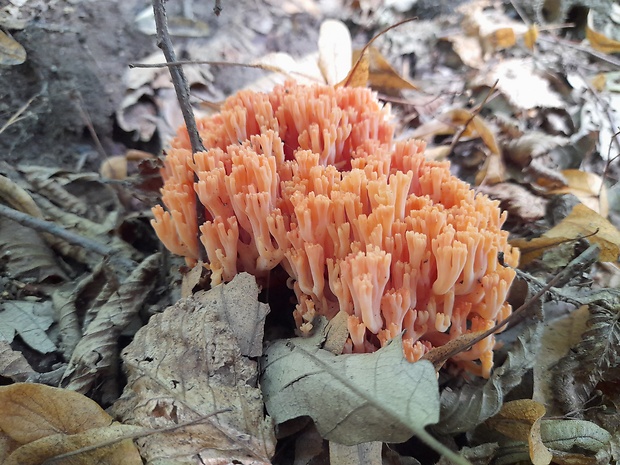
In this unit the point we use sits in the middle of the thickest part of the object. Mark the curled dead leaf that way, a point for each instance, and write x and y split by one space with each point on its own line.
11 52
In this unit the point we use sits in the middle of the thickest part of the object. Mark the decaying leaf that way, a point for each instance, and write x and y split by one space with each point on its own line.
558 337
520 420
334 51
381 75
28 319
581 222
599 41
517 200
26 256
186 363
371 397
594 359
11 52
45 422
587 187
95 355
13 365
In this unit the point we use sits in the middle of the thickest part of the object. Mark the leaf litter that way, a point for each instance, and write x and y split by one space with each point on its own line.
533 133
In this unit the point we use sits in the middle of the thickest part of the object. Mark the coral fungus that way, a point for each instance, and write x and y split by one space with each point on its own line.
311 179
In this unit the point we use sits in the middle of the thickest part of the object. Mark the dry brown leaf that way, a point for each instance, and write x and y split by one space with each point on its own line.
581 222
517 200
186 363
114 167
43 419
368 453
337 333
335 51
520 420
493 171
11 52
14 366
96 353
381 75
360 72
587 187
599 41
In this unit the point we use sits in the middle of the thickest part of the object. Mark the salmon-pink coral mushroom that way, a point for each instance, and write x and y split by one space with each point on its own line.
310 178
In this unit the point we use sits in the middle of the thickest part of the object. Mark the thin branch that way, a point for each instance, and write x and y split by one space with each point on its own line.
181 88
58 231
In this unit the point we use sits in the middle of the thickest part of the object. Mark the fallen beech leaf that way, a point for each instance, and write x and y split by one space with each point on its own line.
581 222
381 75
587 187
11 52
14 366
493 171
43 419
186 363
599 41
191 279
334 51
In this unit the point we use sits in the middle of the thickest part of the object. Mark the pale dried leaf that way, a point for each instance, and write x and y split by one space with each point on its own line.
587 187
368 453
13 365
11 52
522 84
558 337
335 51
26 256
595 358
96 353
372 397
184 364
28 319
243 312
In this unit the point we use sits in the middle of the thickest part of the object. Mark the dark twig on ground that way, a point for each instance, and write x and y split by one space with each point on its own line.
68 236
181 88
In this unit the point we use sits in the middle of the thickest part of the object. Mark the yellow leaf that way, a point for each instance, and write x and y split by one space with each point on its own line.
382 76
530 37
581 222
599 41
588 188
358 76
11 51
502 38
520 420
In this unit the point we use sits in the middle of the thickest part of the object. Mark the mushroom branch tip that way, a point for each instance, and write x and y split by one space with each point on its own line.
309 178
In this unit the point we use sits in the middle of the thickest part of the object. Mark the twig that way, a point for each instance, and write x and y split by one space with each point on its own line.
474 113
181 88
58 231
601 56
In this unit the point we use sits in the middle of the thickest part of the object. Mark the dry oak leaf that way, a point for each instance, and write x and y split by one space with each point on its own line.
187 363
43 422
